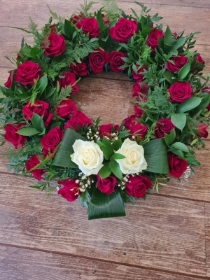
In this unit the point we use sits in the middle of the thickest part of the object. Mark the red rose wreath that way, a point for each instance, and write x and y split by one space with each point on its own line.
105 165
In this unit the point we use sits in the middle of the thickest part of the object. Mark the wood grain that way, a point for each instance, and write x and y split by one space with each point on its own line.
21 264
156 233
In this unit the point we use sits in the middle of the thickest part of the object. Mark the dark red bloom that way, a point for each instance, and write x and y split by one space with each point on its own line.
77 120
107 129
122 31
65 108
79 69
162 127
98 60
27 73
138 112
68 79
70 189
53 45
138 76
31 163
8 83
199 59
139 89
51 140
202 130
106 185
76 18
180 91
115 61
11 135
176 63
153 37
89 26
137 186
134 127
176 165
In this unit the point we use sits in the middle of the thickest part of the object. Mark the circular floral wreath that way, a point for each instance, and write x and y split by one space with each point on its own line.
105 165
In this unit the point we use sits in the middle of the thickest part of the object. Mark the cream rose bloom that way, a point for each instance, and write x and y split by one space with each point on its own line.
134 161
88 156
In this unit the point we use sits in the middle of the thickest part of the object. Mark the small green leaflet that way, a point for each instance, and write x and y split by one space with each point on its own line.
184 71
27 131
189 104
169 138
105 206
179 120
38 123
115 168
180 146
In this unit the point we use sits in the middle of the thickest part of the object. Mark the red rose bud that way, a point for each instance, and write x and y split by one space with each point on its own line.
89 26
129 121
70 189
180 91
152 39
79 69
138 112
138 76
139 89
68 79
98 60
176 165
40 108
138 130
53 45
176 63
51 140
52 28
136 186
78 120
162 127
202 130
115 61
76 18
32 162
105 19
107 130
123 30
199 59
65 108
8 83
11 135
106 185
27 73
207 90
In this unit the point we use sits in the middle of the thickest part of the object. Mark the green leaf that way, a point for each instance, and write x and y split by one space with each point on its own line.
105 171
117 156
169 138
107 148
38 123
68 29
118 143
168 36
179 43
105 206
42 84
27 131
115 168
189 104
179 120
155 153
62 157
180 146
169 76
184 71
204 103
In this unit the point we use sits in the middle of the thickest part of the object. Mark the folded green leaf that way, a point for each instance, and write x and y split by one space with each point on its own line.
189 104
38 123
184 71
115 168
27 131
180 146
179 120
105 171
169 138
105 206
42 84
117 156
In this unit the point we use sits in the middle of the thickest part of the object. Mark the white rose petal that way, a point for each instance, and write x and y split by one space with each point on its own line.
88 156
134 161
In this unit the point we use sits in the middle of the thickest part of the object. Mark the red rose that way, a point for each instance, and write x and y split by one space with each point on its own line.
176 165
8 83
162 127
70 189
27 73
107 129
40 108
51 140
65 108
141 88
136 186
152 39
31 164
77 120
180 91
129 121
138 76
106 185
53 45
105 19
53 28
199 59
89 26
11 135
202 130
97 60
176 63
134 127
115 60
123 30
76 18
79 69
68 79
138 112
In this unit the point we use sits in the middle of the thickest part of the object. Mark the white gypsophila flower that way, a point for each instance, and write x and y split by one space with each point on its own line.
134 161
88 156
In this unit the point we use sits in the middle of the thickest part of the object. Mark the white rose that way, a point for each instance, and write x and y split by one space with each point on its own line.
134 161
88 156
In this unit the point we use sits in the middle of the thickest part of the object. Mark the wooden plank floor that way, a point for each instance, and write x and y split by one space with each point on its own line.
166 237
